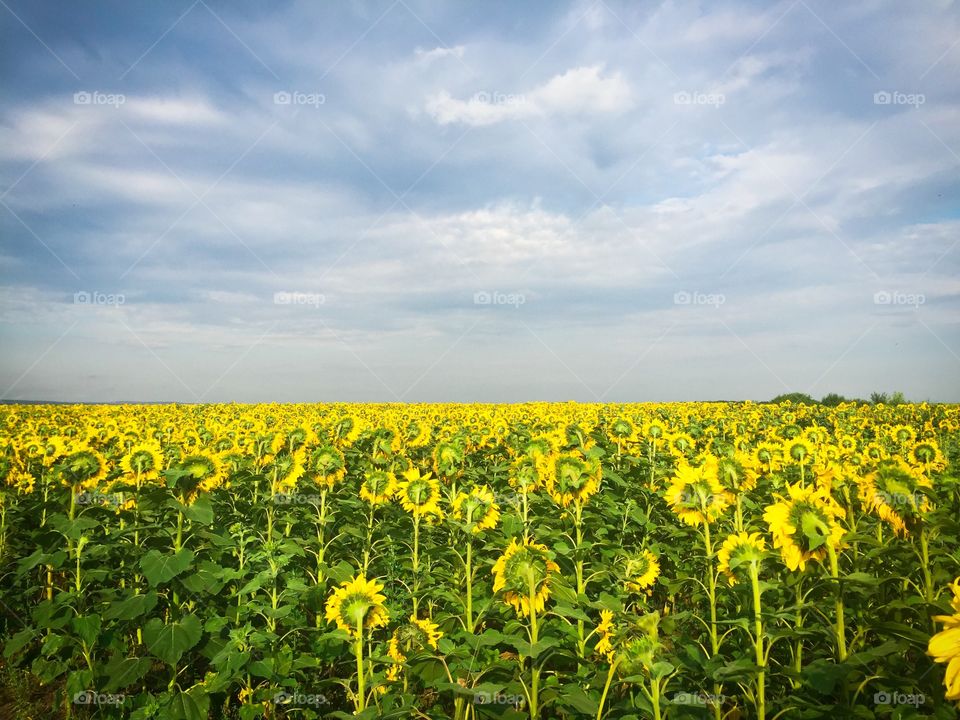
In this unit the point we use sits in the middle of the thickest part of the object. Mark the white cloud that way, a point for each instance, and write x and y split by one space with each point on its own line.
581 90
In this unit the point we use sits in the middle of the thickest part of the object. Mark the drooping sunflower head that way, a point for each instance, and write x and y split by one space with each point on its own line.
419 494
524 569
894 492
357 603
735 473
769 456
527 473
448 459
378 487
622 430
799 450
640 572
738 552
803 524
944 647
572 478
634 639
286 469
144 461
327 465
926 454
53 448
477 509
201 472
695 493
681 444
902 434
83 467
418 634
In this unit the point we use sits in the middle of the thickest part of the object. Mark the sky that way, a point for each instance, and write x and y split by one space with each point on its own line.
211 201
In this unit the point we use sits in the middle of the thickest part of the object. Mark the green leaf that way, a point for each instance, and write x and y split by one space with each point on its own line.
201 511
18 642
124 671
573 696
87 628
132 607
159 568
169 641
194 704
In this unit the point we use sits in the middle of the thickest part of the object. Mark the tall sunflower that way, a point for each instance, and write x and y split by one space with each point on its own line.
695 493
738 550
420 494
803 524
357 603
894 492
477 508
521 564
378 487
640 572
944 647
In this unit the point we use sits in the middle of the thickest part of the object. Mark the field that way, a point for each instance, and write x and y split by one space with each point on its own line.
477 561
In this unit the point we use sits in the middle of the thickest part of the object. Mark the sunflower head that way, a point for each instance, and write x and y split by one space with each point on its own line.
200 472
477 509
357 603
326 465
944 647
527 473
572 478
420 494
926 454
634 639
739 551
524 567
894 492
286 469
378 487
640 572
798 450
418 634
83 467
803 524
448 459
695 493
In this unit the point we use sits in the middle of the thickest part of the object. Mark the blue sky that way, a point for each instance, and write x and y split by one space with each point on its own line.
423 201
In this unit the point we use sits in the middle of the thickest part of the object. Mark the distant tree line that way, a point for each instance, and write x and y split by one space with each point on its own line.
834 399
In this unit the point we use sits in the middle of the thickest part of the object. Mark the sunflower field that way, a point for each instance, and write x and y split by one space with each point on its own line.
542 560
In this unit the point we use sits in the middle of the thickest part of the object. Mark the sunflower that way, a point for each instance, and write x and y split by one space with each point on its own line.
738 550
605 630
203 472
572 477
448 459
695 493
356 603
769 456
894 492
419 494
527 473
944 647
736 473
478 509
83 467
326 465
631 638
641 571
53 449
902 434
803 524
798 450
520 565
926 454
286 469
378 487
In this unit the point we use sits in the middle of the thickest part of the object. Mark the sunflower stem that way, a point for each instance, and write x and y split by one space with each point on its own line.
606 686
469 578
534 636
358 651
758 641
415 561
840 628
